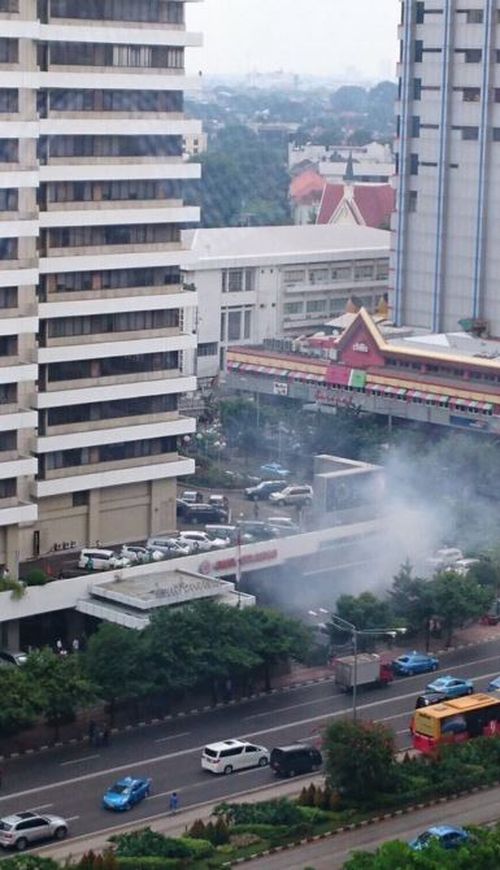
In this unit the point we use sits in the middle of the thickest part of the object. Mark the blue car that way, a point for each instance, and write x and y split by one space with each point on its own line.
494 685
447 836
414 663
452 687
274 468
125 793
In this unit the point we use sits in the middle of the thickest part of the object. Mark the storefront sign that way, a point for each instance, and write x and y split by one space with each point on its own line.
207 567
360 347
280 388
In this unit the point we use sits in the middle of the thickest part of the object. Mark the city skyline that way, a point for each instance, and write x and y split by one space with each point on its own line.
356 40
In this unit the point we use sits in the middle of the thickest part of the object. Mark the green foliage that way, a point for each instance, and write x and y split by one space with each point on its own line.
113 662
273 812
457 598
62 685
22 700
36 577
150 862
145 842
29 862
97 861
359 759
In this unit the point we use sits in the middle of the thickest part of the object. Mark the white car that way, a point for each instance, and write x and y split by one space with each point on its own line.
230 755
168 546
139 555
200 541
300 495
101 560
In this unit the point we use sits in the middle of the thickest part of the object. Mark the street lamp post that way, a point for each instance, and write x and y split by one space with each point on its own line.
355 633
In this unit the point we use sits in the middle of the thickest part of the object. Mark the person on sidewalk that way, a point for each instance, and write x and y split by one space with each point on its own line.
174 802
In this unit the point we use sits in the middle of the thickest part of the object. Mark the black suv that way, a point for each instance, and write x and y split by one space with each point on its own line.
204 513
263 490
295 759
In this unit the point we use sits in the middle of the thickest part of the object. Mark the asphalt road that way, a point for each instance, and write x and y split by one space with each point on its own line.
70 780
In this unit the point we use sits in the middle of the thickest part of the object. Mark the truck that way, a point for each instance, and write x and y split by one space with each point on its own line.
371 672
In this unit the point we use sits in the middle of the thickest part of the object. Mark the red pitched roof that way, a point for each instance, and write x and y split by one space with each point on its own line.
306 185
375 202
333 195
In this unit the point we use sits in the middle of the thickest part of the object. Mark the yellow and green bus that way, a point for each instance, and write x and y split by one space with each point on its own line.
455 721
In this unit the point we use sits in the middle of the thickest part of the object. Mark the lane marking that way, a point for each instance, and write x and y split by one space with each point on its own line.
40 807
72 818
193 749
78 760
173 737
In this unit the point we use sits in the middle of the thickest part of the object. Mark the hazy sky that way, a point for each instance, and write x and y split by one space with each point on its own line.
323 37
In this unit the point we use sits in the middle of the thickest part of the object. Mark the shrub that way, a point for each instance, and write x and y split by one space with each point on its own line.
29 862
150 862
262 831
198 830
274 812
150 843
36 577
314 815
198 849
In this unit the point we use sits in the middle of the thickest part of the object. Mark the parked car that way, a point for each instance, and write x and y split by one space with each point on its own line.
168 546
448 836
229 533
263 490
139 555
284 525
219 501
257 529
201 541
180 507
125 793
275 469
301 495
414 663
205 513
101 560
20 829
191 496
230 755
295 759
10 657
452 687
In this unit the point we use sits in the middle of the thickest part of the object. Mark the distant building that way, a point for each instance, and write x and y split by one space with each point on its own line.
368 205
448 379
257 283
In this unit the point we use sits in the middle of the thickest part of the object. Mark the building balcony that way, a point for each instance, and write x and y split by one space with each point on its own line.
60 393
124 344
107 337
108 205
17 418
128 212
167 466
57 296
14 370
14 511
111 423
132 429
99 250
14 465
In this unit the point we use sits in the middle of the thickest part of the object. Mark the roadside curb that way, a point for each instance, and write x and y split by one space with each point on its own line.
182 714
209 708
374 820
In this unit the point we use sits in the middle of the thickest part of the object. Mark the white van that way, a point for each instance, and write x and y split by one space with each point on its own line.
101 560
230 755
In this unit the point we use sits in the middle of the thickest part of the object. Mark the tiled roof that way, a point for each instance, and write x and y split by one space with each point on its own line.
373 203
306 185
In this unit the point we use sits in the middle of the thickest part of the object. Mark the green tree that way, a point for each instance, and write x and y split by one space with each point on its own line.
412 599
62 684
457 599
113 663
275 638
359 759
21 700
481 853
364 611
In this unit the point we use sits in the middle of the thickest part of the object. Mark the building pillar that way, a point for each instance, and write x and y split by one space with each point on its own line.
12 550
94 517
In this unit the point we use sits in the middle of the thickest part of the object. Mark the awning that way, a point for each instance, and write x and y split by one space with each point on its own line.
401 392
444 398
431 397
375 388
232 364
296 376
486 406
390 391
414 394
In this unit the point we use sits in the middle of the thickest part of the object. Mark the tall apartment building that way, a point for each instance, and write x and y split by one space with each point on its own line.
446 258
92 305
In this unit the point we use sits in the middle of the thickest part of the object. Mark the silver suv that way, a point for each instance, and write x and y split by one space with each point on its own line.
19 830
300 495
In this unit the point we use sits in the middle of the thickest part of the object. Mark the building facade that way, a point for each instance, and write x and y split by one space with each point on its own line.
445 258
92 332
448 379
257 283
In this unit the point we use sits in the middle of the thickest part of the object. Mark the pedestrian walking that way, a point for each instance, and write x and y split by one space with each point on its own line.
256 510
174 802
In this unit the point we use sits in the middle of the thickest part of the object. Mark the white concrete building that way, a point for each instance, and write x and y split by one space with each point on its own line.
92 334
445 256
256 283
